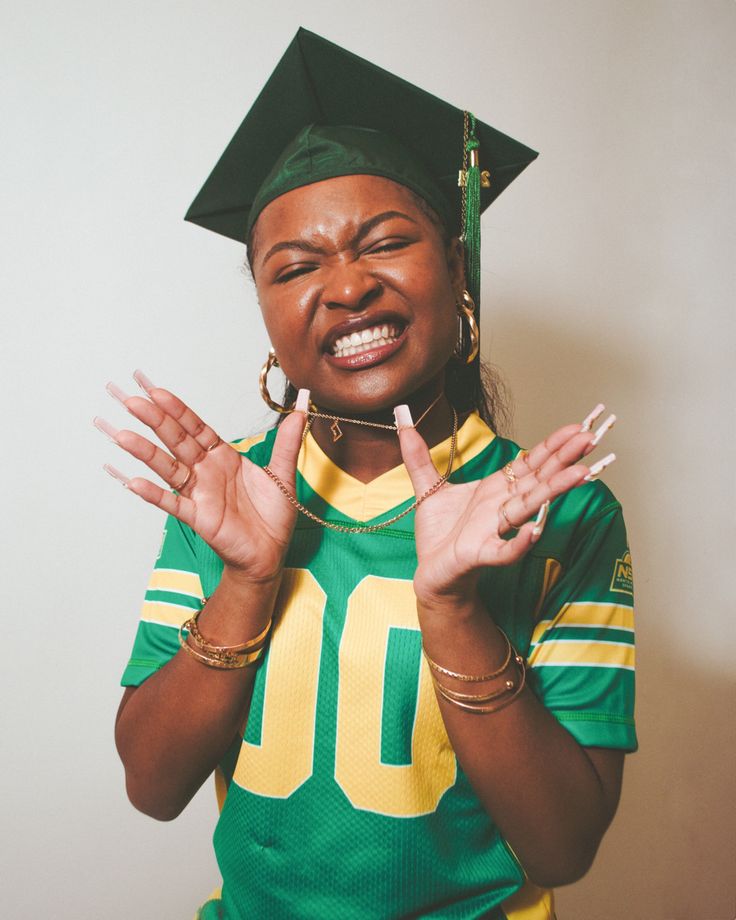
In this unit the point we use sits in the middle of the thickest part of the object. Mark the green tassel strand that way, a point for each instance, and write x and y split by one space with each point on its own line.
471 230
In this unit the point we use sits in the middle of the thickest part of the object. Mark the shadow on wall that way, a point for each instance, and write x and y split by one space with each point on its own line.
670 852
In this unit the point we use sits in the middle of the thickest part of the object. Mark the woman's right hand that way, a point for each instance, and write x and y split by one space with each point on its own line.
229 501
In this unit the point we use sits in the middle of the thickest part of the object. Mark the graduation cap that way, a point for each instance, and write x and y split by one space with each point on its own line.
325 112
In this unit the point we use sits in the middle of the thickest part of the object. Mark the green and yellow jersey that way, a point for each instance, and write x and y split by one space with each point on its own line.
344 798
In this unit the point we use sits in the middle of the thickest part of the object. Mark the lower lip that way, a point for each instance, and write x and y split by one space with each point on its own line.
367 358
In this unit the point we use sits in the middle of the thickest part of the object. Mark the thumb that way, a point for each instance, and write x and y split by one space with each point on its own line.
288 441
414 452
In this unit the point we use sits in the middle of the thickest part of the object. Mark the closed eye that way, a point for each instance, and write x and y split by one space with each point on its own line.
294 272
388 246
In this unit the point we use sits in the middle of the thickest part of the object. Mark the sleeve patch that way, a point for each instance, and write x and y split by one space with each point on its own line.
622 580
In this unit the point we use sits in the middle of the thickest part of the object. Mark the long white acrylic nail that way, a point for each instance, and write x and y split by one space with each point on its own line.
114 390
598 467
540 520
302 401
106 428
145 383
403 417
589 419
116 474
606 426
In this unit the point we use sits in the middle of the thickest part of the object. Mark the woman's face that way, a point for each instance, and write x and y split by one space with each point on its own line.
357 290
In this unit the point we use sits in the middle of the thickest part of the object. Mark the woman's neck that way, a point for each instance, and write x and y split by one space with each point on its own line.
365 452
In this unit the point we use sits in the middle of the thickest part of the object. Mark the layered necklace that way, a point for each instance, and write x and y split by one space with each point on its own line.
337 433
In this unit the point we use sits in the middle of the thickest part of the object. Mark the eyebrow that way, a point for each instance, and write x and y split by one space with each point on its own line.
364 229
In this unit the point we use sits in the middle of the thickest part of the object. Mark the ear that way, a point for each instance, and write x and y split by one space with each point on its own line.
456 266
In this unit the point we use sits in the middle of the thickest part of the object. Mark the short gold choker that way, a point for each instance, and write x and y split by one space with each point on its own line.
337 432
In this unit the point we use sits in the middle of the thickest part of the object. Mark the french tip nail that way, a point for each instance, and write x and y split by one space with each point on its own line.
587 423
117 393
302 401
540 520
106 428
604 429
402 415
598 467
144 382
116 474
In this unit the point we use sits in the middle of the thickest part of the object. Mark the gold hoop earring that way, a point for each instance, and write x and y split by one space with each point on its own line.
466 311
271 361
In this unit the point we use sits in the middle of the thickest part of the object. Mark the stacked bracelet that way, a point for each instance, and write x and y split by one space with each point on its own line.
226 657
498 698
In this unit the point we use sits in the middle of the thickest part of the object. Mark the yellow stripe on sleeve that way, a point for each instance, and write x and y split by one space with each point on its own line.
588 654
617 616
165 614
176 580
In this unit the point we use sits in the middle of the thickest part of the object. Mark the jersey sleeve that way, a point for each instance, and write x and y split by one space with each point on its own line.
173 595
581 657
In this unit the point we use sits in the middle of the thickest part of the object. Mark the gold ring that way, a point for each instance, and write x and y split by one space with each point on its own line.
214 444
511 524
186 479
509 473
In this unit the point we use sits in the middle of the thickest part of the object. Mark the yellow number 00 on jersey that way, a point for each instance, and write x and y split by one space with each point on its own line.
283 760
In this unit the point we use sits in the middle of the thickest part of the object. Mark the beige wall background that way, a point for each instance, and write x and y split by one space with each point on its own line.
608 274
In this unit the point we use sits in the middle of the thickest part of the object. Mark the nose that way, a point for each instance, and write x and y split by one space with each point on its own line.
351 287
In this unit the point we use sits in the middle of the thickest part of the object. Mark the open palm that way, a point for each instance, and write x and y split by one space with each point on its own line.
464 527
230 502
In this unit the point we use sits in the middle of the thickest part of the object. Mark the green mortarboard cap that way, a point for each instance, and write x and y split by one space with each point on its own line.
325 112
318 83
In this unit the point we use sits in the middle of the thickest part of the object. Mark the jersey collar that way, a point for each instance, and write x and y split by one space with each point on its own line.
363 501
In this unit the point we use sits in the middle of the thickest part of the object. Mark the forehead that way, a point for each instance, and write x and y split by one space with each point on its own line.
343 202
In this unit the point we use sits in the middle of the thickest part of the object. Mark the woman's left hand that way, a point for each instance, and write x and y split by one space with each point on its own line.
461 527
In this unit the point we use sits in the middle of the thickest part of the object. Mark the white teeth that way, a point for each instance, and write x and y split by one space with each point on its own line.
358 342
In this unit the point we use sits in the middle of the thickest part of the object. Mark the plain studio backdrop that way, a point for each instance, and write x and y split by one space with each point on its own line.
608 274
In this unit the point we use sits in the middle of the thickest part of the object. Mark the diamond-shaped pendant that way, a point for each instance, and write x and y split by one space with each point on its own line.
336 431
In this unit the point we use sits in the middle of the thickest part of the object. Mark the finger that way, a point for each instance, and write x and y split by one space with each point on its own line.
288 441
579 446
414 452
171 470
202 433
515 511
510 550
529 462
176 505
569 453
565 446
167 429
179 506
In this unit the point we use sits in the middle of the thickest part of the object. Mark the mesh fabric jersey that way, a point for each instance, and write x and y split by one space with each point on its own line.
344 798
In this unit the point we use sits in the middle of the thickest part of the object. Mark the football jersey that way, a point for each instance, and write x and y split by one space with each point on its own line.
344 798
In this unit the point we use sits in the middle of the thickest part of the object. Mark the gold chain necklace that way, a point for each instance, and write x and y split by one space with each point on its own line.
371 528
336 419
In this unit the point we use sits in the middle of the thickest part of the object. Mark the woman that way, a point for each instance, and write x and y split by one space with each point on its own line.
358 674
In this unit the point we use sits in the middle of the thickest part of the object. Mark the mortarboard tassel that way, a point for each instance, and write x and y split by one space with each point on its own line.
470 180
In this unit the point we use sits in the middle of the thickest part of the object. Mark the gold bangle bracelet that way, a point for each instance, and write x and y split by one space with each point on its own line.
222 662
458 697
473 678
193 629
478 709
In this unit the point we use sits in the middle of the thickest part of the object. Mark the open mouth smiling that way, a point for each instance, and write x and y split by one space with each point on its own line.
367 339
370 341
